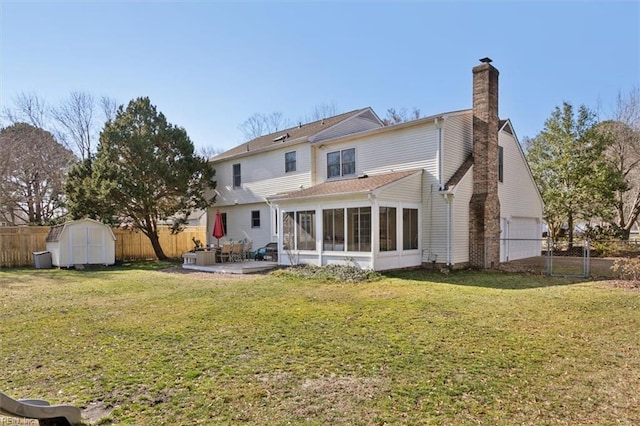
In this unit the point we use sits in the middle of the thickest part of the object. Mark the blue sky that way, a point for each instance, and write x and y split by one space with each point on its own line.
208 66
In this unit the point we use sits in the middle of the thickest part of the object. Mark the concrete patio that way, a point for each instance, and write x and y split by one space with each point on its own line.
245 267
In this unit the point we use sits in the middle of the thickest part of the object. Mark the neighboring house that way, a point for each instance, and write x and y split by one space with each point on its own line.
453 189
12 216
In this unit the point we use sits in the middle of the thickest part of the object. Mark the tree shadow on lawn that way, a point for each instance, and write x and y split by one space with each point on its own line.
489 279
97 271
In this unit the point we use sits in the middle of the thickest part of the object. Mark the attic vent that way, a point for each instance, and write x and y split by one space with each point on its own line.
281 138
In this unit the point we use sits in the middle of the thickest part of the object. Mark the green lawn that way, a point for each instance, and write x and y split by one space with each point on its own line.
143 346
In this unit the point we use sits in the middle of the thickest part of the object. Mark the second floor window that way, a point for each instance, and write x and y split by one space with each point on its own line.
290 161
341 163
237 177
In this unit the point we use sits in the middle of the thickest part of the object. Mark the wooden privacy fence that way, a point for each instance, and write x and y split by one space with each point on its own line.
18 243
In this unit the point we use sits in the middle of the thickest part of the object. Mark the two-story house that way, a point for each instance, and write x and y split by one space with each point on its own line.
453 188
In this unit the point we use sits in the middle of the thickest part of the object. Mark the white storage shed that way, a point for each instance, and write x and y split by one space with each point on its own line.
81 242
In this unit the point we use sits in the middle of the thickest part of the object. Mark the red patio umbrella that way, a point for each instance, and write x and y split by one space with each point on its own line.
218 227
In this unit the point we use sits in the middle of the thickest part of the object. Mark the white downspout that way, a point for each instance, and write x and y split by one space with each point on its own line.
319 235
278 231
375 229
438 123
448 197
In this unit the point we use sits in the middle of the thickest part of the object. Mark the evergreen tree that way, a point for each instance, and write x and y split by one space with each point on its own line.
145 172
567 161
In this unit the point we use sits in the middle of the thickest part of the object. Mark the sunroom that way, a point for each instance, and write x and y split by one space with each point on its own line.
373 222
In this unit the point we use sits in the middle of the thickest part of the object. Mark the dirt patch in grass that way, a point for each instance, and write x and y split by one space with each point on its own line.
625 284
95 412
333 399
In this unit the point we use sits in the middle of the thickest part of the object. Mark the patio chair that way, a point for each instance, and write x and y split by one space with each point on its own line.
225 252
236 252
45 413
246 251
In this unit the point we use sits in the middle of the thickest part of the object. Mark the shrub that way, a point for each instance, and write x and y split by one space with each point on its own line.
338 273
627 268
614 249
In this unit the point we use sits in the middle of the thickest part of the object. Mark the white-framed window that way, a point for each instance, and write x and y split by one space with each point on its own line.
333 230
290 161
387 225
255 218
359 229
299 230
341 163
237 176
409 229
306 230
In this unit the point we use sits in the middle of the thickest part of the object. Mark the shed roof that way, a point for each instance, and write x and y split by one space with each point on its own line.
56 231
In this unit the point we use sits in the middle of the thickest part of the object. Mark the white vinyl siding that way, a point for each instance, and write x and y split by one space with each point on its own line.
408 189
239 224
520 204
434 222
518 193
360 123
460 222
262 175
457 142
406 149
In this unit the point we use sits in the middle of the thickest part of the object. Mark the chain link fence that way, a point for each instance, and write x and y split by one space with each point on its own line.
580 258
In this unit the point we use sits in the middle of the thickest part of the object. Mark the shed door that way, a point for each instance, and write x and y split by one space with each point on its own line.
87 245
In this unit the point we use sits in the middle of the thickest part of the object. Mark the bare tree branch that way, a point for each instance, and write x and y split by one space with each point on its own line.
401 116
76 117
262 124
623 153
109 107
29 108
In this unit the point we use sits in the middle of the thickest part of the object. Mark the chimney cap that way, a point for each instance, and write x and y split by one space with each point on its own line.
486 60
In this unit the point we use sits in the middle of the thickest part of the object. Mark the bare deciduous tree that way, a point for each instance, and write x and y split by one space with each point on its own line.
76 122
75 115
395 117
28 108
32 174
109 107
320 111
262 124
623 130
209 151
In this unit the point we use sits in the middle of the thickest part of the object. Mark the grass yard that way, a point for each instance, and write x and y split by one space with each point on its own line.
134 345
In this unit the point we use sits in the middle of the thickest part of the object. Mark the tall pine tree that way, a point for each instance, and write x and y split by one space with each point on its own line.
145 171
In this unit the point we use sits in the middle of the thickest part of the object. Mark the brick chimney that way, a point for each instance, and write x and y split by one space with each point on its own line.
484 215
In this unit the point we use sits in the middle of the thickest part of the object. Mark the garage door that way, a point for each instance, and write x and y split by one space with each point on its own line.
521 238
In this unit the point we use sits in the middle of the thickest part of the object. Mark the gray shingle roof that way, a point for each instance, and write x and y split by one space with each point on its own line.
300 132
345 186
54 233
